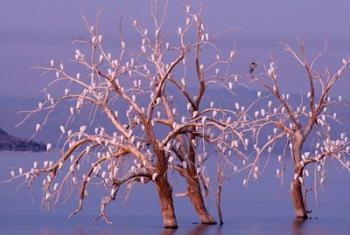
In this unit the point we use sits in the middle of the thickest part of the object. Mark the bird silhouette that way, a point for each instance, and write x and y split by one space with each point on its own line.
253 66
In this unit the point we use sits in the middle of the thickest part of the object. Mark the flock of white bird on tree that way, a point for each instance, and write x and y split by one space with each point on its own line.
157 125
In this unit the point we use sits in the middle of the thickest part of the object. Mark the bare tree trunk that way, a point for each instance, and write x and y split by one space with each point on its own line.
196 197
166 203
165 191
298 200
296 191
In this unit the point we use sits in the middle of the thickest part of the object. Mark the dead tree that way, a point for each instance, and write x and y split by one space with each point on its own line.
294 124
154 123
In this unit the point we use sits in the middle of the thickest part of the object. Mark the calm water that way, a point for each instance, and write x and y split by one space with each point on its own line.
263 208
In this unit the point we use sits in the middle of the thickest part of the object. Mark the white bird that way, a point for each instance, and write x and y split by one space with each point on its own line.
278 172
40 105
62 129
211 104
322 180
69 133
230 85
123 44
113 192
269 104
154 176
279 158
171 159
37 127
237 105
48 147
179 30
300 179
183 82
82 128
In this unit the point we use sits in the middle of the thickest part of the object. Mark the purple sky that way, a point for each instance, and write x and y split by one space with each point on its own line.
33 32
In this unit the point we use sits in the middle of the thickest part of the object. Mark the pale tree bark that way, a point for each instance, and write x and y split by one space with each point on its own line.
195 195
166 202
296 189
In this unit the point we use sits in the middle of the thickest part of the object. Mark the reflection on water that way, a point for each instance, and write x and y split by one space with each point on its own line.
256 211
196 230
298 226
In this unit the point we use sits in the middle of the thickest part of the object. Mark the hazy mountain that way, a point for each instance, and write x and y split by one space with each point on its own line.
12 143
11 105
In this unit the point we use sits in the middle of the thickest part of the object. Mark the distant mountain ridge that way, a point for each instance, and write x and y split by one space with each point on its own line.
12 143
50 133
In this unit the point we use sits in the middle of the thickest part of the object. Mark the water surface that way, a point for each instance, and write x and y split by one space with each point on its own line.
264 208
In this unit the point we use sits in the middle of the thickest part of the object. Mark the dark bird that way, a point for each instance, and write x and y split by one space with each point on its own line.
253 66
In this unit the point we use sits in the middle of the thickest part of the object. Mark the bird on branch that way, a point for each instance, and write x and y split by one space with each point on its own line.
253 66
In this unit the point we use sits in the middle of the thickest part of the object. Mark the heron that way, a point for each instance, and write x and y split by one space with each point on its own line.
253 66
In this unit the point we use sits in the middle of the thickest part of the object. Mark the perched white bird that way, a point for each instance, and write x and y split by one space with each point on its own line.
37 127
62 129
55 187
154 176
183 82
230 85
48 147
82 128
